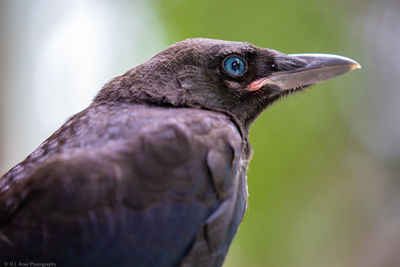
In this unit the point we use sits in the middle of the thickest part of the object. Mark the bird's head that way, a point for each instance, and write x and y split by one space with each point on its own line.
236 78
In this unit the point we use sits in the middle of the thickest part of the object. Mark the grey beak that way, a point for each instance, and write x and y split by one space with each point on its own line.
317 68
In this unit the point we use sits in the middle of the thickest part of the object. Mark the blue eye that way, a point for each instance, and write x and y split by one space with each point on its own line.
234 65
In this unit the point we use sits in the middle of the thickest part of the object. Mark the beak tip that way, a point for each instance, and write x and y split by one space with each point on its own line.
355 66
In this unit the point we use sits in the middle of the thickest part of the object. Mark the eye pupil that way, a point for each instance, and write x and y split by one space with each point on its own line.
235 65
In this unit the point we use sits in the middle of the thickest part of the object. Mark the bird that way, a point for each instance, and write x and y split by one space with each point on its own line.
153 171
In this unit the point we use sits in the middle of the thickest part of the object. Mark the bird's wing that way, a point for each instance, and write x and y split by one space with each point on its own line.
172 195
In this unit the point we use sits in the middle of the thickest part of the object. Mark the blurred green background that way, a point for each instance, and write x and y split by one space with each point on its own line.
324 179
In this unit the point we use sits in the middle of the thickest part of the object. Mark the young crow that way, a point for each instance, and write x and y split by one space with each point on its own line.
153 171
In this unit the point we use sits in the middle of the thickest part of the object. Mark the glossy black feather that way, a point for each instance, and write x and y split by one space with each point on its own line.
140 193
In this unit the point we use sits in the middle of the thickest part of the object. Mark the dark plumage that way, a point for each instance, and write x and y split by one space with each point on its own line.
153 172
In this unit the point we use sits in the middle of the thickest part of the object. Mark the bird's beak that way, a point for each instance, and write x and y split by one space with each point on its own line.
317 68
